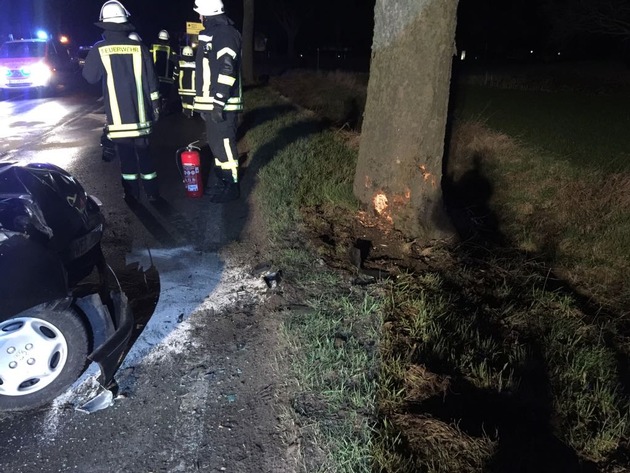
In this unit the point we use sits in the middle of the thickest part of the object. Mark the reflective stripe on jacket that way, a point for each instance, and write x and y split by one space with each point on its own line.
218 62
186 78
164 59
129 84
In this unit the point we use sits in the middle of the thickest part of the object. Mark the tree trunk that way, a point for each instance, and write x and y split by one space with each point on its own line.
399 170
248 42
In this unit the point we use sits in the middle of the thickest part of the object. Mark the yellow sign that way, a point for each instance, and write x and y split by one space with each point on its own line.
193 27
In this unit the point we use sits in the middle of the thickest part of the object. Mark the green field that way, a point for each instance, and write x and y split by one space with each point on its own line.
588 130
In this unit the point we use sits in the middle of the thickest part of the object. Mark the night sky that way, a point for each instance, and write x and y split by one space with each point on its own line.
494 28
347 22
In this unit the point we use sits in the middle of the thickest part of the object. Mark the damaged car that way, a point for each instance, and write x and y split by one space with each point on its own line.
58 309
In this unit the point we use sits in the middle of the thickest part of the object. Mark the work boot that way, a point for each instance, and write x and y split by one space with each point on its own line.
230 192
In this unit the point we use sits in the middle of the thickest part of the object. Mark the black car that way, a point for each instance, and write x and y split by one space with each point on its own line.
57 309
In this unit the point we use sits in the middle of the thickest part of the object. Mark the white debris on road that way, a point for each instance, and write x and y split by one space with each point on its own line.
191 282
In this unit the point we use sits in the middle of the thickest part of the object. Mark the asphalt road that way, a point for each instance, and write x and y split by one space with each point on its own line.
196 389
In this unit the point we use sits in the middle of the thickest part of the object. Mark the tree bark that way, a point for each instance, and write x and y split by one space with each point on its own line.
399 170
248 42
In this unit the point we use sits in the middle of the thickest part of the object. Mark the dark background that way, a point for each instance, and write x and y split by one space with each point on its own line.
491 31
324 23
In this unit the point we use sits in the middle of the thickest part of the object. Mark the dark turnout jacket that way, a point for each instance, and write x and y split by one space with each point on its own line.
130 85
165 60
218 63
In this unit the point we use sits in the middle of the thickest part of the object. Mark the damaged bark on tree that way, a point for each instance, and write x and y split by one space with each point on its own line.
399 170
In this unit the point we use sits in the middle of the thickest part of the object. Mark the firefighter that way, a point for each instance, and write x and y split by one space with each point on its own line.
131 98
165 60
185 79
135 36
218 95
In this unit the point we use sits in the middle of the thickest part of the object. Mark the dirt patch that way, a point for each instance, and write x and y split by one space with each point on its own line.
368 245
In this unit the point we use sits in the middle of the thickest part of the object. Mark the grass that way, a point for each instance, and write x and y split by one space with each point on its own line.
333 354
519 345
573 217
586 130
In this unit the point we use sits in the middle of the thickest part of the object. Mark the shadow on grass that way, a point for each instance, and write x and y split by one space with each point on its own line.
521 420
284 137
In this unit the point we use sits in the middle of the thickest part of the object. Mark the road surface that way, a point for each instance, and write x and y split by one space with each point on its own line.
196 389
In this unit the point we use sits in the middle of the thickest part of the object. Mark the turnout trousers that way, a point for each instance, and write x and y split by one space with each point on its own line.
222 141
136 165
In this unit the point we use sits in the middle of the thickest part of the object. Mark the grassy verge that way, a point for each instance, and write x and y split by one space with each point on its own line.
576 218
334 331
510 349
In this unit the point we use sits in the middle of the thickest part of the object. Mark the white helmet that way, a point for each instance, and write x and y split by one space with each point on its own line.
163 35
209 7
187 51
114 12
135 36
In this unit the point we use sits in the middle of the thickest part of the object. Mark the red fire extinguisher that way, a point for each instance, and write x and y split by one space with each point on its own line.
190 169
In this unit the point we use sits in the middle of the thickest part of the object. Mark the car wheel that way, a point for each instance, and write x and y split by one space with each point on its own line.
43 350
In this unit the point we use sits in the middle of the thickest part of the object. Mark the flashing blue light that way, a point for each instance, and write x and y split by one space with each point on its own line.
41 34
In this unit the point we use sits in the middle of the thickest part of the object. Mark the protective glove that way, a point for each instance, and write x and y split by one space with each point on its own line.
216 114
156 110
109 149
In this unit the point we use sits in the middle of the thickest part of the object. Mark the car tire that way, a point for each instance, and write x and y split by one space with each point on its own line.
49 344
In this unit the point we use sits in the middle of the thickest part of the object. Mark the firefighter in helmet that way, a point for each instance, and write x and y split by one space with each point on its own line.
165 60
131 98
218 94
135 36
185 80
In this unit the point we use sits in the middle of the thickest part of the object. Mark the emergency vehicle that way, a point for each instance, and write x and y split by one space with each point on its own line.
34 64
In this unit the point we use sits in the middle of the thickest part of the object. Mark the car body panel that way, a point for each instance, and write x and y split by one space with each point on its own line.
50 234
110 353
31 275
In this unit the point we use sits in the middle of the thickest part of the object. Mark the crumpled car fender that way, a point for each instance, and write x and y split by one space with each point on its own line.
30 274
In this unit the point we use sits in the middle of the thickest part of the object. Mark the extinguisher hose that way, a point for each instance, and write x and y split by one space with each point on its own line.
178 162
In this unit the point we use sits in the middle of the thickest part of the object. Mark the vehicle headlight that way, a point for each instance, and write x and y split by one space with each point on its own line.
39 73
